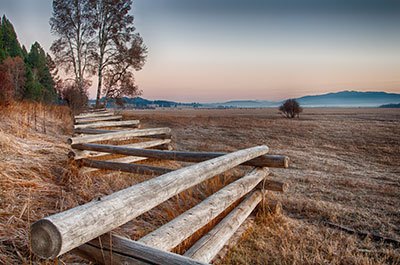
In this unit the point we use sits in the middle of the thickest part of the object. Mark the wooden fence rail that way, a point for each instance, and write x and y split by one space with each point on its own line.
85 229
262 161
60 233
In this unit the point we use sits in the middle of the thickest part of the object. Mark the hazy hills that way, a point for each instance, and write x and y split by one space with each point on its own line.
338 99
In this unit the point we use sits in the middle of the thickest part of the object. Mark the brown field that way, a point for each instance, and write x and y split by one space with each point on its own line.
345 169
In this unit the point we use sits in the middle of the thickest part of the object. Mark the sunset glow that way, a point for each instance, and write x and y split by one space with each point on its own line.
207 50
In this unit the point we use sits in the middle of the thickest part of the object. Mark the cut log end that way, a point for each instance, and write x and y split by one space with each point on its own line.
46 240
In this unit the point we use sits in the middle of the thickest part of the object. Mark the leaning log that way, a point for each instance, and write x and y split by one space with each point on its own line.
118 135
89 120
79 154
263 161
107 124
124 167
205 249
167 237
107 250
59 233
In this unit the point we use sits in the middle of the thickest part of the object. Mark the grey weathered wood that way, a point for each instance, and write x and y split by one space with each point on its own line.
93 115
208 246
124 167
79 154
170 235
118 135
93 131
97 119
59 233
107 124
119 250
262 161
274 185
125 159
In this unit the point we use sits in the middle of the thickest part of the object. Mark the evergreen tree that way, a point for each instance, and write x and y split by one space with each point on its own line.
3 53
40 83
9 38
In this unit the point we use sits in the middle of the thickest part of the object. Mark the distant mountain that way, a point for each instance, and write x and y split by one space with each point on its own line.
242 104
390 106
349 99
338 99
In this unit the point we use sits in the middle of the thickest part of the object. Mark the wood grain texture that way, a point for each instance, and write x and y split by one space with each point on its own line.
118 135
124 167
59 233
126 159
108 250
107 124
96 119
262 161
79 154
170 235
206 249
274 185
94 115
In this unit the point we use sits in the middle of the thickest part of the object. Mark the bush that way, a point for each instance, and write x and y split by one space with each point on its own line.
291 108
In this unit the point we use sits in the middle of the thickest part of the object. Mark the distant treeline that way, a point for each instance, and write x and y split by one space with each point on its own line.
24 75
142 103
390 106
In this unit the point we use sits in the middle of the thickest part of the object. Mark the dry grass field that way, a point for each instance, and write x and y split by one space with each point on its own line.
345 169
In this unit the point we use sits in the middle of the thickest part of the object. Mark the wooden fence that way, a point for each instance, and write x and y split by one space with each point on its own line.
84 229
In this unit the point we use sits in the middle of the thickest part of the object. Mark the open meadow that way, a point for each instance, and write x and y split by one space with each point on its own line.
344 169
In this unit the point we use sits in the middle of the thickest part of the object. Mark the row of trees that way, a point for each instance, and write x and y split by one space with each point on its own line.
97 37
24 75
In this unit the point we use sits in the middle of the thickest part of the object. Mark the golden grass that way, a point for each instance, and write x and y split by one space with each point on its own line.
344 168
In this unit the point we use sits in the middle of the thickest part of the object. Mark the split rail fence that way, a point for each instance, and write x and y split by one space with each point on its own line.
85 228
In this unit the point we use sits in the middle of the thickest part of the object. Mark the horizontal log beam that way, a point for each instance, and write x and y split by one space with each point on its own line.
263 161
79 154
107 124
274 185
170 235
124 167
89 120
206 249
125 159
108 250
59 233
118 135
93 115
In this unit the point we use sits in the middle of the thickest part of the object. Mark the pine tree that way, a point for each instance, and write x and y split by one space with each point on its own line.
9 39
39 79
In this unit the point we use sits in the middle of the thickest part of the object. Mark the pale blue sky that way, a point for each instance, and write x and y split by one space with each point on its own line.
213 50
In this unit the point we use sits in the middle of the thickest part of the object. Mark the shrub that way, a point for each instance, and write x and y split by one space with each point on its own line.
291 108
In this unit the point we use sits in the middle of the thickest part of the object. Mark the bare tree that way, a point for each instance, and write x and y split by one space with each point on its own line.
291 108
119 79
74 48
115 33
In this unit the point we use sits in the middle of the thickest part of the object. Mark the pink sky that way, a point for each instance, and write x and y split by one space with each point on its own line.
209 51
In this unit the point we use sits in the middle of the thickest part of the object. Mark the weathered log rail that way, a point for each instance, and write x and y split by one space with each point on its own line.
84 230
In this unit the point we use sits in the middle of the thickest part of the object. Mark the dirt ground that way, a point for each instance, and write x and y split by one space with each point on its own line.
345 169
